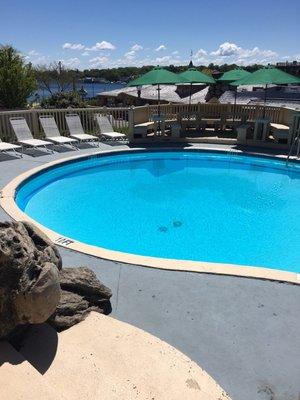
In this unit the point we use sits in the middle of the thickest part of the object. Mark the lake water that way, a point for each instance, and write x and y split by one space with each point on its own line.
91 88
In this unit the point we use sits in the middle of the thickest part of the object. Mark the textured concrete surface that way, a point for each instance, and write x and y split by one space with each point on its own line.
243 332
19 380
103 358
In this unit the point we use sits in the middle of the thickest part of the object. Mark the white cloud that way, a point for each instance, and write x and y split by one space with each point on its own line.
73 46
41 59
175 52
200 53
98 61
228 49
163 59
101 46
38 59
71 62
130 55
166 60
85 53
136 47
33 53
200 56
161 47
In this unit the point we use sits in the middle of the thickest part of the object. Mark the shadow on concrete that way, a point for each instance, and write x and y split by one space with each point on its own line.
39 346
8 354
35 152
58 148
86 145
8 157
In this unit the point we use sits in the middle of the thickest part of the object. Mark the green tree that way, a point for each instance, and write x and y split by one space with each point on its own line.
17 79
55 76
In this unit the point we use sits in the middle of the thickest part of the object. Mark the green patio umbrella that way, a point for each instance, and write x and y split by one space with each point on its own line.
232 76
195 76
158 76
267 76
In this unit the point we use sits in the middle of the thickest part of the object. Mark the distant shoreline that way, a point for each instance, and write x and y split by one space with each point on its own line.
91 88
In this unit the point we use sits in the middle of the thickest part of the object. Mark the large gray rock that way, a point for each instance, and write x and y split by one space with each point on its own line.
29 276
82 292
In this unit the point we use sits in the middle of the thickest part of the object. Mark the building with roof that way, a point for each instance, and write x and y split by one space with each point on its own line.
131 96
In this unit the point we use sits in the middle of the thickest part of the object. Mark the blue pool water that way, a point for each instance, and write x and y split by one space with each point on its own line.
199 206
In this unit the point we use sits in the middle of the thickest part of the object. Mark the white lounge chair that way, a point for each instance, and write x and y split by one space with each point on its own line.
106 129
6 147
24 135
52 133
76 129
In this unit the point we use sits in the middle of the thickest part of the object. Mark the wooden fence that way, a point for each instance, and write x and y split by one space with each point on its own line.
215 110
120 120
124 118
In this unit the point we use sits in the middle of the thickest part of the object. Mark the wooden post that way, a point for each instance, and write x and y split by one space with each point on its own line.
130 123
35 123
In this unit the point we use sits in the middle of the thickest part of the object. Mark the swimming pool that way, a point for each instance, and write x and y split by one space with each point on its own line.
188 205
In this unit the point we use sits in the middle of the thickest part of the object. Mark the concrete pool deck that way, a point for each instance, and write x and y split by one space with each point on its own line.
243 332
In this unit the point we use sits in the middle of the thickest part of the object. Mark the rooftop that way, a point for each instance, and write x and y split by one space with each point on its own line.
289 96
167 93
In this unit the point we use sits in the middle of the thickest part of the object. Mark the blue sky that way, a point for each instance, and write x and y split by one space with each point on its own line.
90 33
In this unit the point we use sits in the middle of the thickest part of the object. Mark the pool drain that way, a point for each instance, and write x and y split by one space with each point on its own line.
163 229
177 224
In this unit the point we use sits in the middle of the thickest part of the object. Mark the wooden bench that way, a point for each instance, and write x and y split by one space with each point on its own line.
279 131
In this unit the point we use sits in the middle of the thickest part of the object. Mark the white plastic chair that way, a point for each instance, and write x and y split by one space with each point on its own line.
106 129
76 129
52 133
6 147
24 135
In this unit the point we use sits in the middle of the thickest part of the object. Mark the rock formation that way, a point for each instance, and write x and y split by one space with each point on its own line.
34 288
82 292
29 276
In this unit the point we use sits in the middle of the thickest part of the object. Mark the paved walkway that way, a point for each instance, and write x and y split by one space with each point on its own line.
243 332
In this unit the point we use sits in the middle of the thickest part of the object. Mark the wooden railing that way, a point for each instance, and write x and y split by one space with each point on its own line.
120 120
125 118
216 110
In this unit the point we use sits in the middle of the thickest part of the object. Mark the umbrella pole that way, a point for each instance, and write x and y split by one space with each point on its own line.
158 108
265 100
158 99
234 108
190 99
190 104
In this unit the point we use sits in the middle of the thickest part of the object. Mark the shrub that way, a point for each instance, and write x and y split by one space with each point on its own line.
63 100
